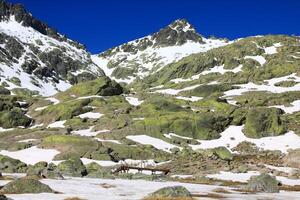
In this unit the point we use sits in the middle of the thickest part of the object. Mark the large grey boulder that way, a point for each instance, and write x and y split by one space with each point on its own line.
72 167
263 183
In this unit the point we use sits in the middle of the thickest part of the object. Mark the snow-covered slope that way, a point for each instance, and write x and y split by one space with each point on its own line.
36 57
149 54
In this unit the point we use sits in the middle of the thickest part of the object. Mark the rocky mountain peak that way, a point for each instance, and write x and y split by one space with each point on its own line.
21 15
182 25
177 33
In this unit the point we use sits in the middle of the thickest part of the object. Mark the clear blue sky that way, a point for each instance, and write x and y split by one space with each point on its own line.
101 24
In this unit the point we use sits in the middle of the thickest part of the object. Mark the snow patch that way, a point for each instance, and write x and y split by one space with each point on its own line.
32 155
91 115
233 135
155 142
57 124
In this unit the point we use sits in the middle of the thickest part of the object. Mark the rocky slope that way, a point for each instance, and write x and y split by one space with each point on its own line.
144 56
37 57
209 110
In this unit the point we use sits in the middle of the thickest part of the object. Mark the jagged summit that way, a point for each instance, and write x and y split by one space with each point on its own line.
151 53
23 16
177 33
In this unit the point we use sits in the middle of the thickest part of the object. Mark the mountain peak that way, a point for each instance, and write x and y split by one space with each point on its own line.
182 25
177 33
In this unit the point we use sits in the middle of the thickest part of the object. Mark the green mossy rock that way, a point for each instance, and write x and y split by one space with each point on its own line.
22 186
13 118
65 110
72 167
205 126
10 165
263 122
96 171
36 169
263 183
4 91
223 153
3 197
102 86
170 193
70 145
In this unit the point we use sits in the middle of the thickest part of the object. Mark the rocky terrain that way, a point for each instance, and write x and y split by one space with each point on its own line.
221 117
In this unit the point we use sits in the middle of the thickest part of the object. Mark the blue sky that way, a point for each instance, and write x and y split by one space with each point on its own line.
101 24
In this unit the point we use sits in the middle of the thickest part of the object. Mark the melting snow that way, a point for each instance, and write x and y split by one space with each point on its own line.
57 124
155 142
32 155
112 141
88 188
91 115
221 70
269 86
259 59
88 132
134 101
272 49
192 98
244 177
295 107
53 100
233 135
176 91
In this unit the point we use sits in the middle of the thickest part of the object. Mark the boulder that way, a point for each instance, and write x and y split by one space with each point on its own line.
36 169
3 197
263 122
263 183
173 192
72 167
223 153
43 170
21 186
13 118
96 171
292 159
10 165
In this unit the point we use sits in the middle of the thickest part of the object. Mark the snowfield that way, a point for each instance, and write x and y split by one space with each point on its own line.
27 36
92 189
244 177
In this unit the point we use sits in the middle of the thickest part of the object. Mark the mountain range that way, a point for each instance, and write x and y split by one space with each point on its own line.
198 106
